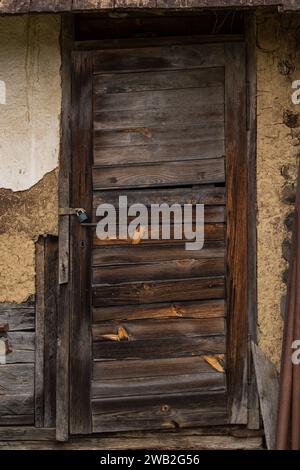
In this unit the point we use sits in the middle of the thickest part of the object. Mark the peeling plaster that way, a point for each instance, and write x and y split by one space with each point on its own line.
278 65
30 99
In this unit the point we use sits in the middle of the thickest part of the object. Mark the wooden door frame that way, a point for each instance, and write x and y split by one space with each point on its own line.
243 411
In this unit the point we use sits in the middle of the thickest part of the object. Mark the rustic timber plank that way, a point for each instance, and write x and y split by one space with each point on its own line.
166 80
237 226
50 330
114 120
92 4
18 317
41 6
16 405
16 379
157 328
40 331
206 194
156 349
160 174
268 390
131 369
202 309
151 441
212 232
141 386
212 214
139 254
22 347
156 152
159 271
161 411
64 262
27 433
159 291
194 56
158 99
251 36
80 349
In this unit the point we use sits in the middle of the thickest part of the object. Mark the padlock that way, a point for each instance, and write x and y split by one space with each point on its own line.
82 215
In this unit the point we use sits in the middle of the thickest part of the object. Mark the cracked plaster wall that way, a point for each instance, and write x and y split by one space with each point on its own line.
30 101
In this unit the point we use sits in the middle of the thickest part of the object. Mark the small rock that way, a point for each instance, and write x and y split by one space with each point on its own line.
291 119
286 249
289 221
288 195
286 67
285 276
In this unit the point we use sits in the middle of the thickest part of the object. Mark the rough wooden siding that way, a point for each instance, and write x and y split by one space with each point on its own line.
17 375
35 6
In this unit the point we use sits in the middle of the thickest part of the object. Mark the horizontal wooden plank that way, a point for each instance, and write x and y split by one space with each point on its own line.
158 411
21 347
158 385
153 58
157 80
26 433
182 269
136 330
130 369
18 318
17 420
212 214
212 232
113 120
203 309
158 99
206 194
163 174
154 349
159 291
16 378
183 136
159 153
140 254
16 405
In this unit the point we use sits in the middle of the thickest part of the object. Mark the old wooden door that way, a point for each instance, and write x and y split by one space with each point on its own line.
159 333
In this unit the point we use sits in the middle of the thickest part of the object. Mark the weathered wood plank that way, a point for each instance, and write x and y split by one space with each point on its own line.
206 194
268 390
202 309
18 317
212 438
156 349
160 174
82 155
212 232
27 433
212 214
159 271
140 254
141 386
159 291
64 262
158 100
14 407
150 81
195 132
50 330
162 411
40 261
130 369
157 328
193 56
157 152
237 227
16 379
114 120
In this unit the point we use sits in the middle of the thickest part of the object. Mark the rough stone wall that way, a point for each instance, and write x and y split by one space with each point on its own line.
278 65
30 102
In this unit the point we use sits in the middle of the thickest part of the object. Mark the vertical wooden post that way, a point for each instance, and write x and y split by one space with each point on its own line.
63 326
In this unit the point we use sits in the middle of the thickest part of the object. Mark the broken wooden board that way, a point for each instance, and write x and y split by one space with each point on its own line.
268 390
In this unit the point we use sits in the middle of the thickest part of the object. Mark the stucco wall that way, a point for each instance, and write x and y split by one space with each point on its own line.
278 148
30 101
